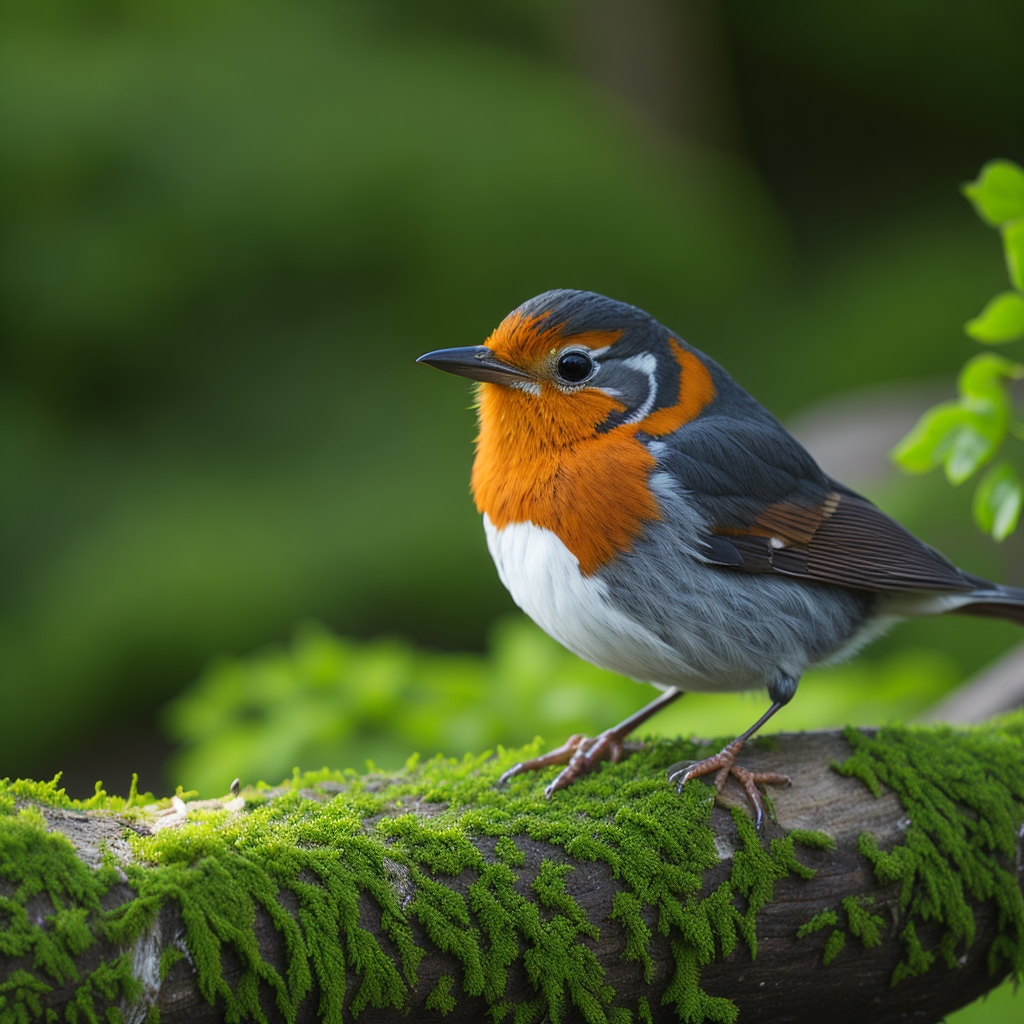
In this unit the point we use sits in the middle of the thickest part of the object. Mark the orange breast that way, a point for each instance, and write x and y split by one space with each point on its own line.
540 459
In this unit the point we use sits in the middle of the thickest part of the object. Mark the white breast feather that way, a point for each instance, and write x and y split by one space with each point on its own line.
543 576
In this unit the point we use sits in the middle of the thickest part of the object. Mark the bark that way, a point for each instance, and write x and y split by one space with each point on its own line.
786 982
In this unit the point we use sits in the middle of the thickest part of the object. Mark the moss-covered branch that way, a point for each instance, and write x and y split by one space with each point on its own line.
886 887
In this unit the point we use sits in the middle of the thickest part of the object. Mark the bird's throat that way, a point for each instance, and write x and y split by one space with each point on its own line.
540 459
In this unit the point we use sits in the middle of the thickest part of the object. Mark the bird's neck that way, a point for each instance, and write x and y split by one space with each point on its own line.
540 459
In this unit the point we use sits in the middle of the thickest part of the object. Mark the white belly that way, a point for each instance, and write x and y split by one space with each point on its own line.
544 579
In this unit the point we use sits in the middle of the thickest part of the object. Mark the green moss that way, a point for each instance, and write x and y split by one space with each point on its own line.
834 946
111 982
963 792
168 958
862 923
813 840
826 919
358 847
441 997
37 865
505 849
21 997
49 794
220 869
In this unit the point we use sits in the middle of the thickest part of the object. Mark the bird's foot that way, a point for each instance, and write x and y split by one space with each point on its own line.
580 754
724 764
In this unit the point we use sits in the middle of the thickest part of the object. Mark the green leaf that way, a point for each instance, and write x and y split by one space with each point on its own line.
998 192
963 435
1013 244
981 381
1001 320
971 449
998 501
928 444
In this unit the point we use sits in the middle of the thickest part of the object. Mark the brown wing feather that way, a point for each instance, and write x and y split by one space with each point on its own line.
796 523
845 540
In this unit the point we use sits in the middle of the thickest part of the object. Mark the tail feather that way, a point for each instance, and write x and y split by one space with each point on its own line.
996 602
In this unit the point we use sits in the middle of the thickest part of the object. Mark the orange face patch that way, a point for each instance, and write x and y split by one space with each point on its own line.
523 342
541 459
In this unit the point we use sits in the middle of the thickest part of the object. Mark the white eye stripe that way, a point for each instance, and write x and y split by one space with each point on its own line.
646 364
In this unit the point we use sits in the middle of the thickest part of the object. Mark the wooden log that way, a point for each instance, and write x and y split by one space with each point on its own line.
448 908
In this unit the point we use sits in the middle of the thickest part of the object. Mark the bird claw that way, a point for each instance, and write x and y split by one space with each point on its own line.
724 764
580 754
560 755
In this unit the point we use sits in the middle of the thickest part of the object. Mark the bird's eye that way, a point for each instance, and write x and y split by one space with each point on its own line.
575 366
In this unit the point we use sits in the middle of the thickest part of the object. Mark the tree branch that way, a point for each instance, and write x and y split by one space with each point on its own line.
428 890
997 688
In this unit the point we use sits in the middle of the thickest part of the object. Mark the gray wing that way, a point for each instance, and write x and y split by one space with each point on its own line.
772 509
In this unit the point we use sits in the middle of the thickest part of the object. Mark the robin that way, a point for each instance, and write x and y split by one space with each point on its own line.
651 516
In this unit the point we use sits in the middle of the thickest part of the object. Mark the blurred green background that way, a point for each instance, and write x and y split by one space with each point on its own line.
226 230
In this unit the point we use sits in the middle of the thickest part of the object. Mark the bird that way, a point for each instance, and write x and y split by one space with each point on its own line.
655 519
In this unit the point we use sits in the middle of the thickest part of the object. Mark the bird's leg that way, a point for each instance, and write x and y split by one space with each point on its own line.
581 754
724 762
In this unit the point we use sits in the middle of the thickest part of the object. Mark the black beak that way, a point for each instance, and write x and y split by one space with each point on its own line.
476 362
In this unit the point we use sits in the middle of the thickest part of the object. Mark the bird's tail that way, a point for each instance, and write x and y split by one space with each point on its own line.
995 602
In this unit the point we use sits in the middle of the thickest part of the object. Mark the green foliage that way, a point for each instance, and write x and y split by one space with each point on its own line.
112 982
998 193
211 422
997 501
332 700
21 997
963 792
966 434
963 435
505 848
238 222
1001 320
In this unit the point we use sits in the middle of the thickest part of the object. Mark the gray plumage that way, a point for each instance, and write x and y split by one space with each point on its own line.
736 631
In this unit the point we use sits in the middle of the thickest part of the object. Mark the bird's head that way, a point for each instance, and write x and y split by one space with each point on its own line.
570 366
574 388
